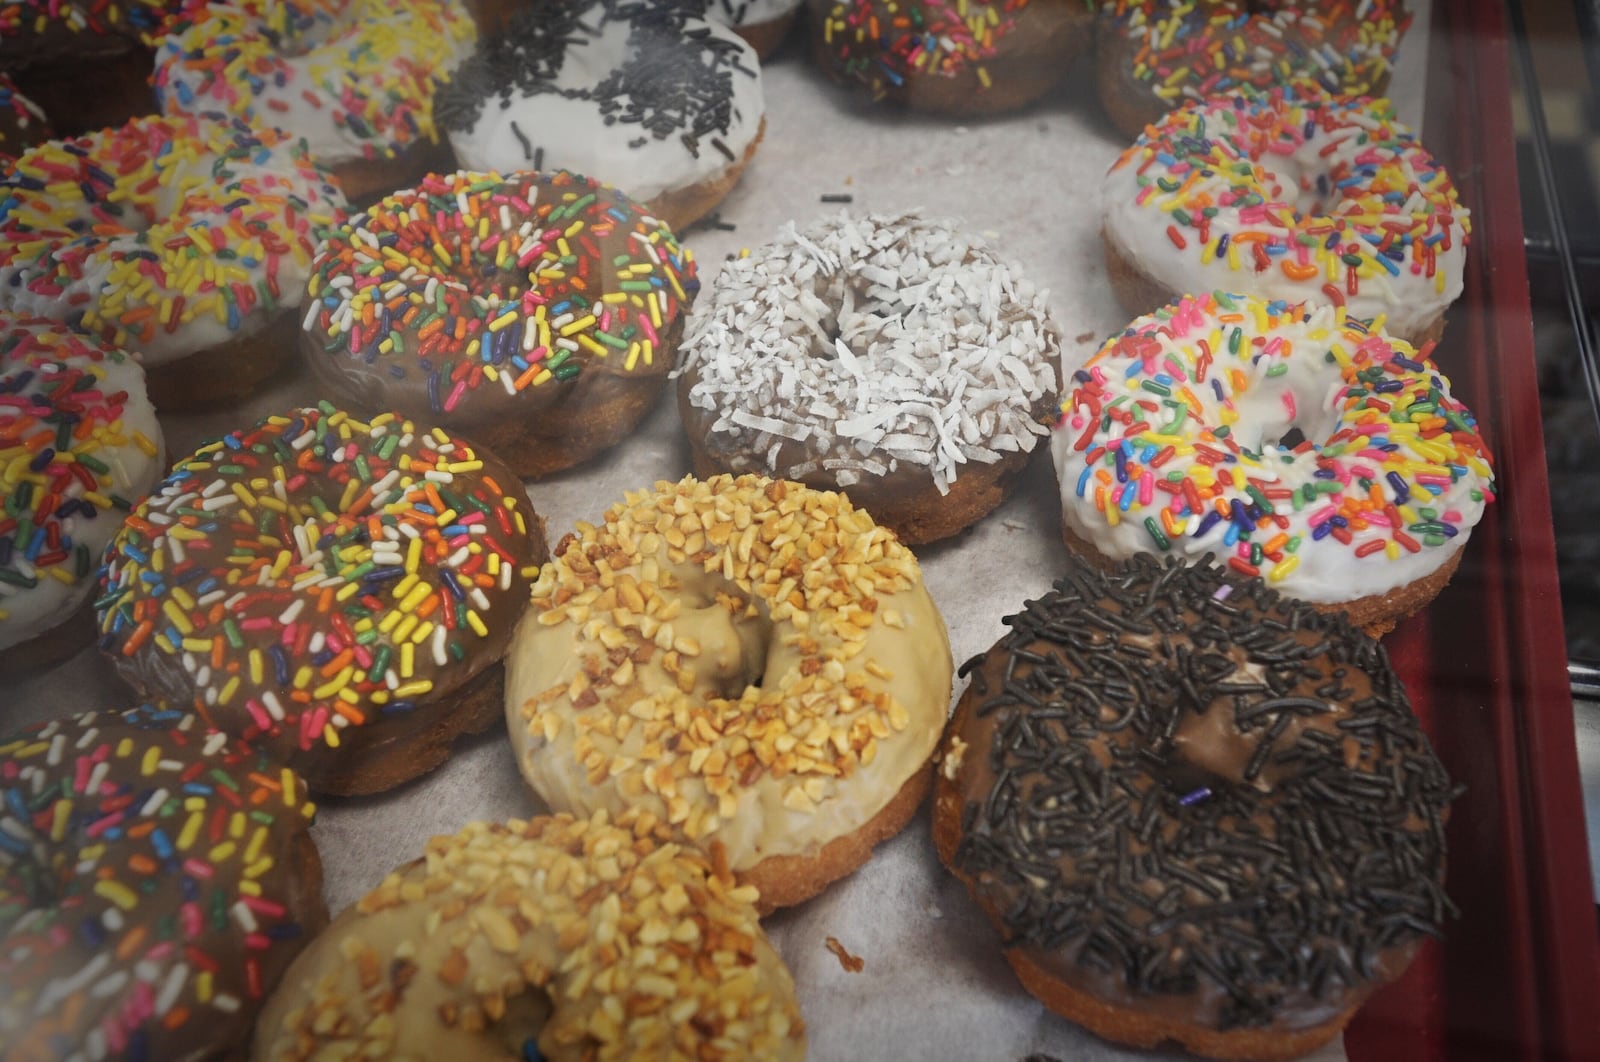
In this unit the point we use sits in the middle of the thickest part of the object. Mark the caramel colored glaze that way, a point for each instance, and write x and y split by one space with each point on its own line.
752 662
344 601
556 938
1024 58
1196 811
154 890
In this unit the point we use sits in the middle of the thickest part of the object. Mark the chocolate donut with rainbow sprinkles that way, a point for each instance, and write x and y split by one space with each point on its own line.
1293 195
336 591
1293 442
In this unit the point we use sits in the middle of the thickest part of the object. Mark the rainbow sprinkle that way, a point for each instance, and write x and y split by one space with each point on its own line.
1170 441
358 73
77 449
315 572
474 281
1182 49
881 43
164 236
146 904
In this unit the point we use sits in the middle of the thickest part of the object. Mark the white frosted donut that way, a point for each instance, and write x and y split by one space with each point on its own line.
641 96
1291 195
354 78
80 443
752 662
1172 442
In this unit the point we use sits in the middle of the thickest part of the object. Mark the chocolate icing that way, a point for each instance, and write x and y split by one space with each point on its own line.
1197 799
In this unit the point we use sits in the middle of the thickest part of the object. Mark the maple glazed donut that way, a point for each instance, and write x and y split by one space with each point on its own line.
555 939
185 241
1329 460
1153 55
949 56
648 97
891 357
336 591
1195 810
1288 195
762 23
355 79
156 879
79 445
537 314
754 663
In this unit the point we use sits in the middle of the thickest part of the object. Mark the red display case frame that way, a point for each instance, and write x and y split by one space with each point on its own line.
1517 976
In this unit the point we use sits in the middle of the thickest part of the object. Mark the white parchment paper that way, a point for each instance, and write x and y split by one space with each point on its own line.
934 985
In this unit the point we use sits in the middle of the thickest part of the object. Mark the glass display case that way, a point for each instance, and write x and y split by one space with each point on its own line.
1505 96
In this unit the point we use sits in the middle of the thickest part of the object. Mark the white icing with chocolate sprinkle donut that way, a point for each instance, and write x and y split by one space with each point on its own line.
873 342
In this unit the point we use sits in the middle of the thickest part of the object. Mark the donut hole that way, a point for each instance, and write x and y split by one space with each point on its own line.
526 1015
732 640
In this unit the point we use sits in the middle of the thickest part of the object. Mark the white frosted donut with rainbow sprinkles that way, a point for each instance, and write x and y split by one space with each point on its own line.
1292 195
1180 436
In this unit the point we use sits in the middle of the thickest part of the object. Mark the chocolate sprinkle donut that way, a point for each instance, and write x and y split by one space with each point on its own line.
1199 802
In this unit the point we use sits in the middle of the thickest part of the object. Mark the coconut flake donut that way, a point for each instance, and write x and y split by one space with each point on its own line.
1195 811
336 591
762 23
156 880
539 315
950 56
1153 55
650 98
185 241
554 938
22 123
354 79
79 445
1180 437
891 357
754 663
1289 195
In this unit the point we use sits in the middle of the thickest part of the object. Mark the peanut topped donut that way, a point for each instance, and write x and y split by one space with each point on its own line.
892 357
79 446
649 97
952 56
337 591
555 939
354 79
156 879
1330 460
751 662
1153 55
1195 810
183 240
1290 195
537 314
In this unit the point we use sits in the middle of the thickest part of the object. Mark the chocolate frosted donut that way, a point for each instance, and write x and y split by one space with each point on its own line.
1196 811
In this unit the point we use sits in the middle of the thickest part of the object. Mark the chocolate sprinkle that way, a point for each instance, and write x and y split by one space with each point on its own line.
677 81
1272 868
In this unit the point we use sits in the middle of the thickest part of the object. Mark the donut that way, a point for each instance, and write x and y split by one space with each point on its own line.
892 357
355 79
949 56
335 591
1153 55
553 938
751 662
79 445
185 241
1288 195
1195 811
156 880
537 314
22 123
1328 459
87 62
649 98
762 23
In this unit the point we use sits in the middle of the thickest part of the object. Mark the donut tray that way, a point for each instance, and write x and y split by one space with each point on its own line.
1516 976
